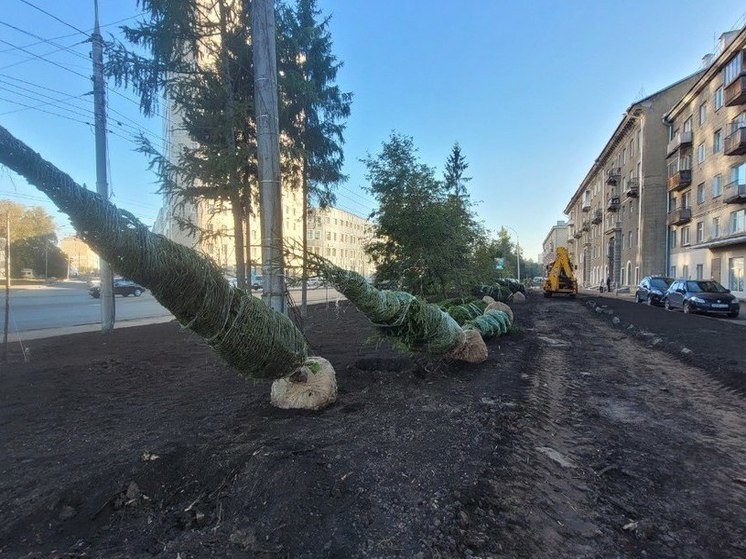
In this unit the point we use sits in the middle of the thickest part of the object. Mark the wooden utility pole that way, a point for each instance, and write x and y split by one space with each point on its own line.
102 185
268 150
7 286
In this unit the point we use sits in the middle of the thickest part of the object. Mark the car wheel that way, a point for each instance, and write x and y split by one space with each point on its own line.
667 304
649 301
637 298
687 307
96 296
137 292
733 314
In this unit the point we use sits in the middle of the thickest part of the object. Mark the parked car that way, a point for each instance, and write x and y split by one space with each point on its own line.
706 296
652 289
231 280
121 287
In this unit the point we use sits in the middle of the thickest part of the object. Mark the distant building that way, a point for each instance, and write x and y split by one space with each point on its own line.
706 178
340 237
557 237
617 216
81 258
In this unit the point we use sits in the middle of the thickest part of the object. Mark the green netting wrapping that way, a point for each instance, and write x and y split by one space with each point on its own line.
463 313
413 323
248 335
492 323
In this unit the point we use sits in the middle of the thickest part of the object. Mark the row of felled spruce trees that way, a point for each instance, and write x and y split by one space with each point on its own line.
203 63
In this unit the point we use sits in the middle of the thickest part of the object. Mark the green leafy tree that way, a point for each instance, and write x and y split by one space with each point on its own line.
313 108
32 240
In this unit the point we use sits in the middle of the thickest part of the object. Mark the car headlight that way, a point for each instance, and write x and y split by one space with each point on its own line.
697 300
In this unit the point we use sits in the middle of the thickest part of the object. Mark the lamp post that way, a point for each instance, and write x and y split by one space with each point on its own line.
517 252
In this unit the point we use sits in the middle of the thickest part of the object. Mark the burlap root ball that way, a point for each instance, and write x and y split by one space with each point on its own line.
519 297
487 299
472 349
500 306
314 390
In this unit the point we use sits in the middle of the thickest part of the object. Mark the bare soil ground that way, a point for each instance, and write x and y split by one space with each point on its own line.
577 438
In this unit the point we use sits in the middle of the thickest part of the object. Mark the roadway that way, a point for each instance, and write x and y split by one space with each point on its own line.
38 311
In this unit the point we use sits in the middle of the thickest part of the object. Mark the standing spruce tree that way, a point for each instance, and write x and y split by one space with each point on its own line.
313 109
422 232
456 165
199 55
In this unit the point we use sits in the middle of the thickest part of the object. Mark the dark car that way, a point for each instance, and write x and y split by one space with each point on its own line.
652 289
706 296
121 287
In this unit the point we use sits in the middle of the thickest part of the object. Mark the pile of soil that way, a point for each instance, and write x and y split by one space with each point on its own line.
579 437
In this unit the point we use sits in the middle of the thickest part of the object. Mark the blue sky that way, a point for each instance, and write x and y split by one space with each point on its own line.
531 91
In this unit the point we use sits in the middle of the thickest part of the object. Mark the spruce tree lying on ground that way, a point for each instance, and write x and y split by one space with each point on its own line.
254 339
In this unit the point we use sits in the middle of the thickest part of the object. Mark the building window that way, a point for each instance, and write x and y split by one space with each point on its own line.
672 239
718 97
317 235
738 221
738 174
701 193
735 273
701 153
717 186
328 235
717 141
702 113
700 231
733 69
685 272
688 125
700 271
629 240
715 227
685 236
673 271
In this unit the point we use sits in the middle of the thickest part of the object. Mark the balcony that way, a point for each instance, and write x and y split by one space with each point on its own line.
680 179
577 234
571 240
613 227
734 193
735 93
586 226
633 188
679 216
613 204
681 139
735 142
586 207
598 216
612 175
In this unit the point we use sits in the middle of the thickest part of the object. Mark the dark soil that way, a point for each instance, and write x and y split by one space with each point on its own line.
574 439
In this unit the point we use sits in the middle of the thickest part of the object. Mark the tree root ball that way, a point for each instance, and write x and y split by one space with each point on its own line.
519 297
312 387
487 299
500 306
472 350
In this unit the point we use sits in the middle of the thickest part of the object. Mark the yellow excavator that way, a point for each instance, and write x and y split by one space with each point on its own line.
560 277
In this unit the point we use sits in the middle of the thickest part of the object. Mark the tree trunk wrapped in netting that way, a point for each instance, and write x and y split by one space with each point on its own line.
410 322
258 341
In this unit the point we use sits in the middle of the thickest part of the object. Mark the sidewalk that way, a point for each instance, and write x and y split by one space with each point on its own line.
96 327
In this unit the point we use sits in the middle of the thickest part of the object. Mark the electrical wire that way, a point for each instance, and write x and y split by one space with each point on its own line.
71 26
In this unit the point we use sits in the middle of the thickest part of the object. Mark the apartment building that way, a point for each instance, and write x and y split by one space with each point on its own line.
340 237
706 175
617 216
557 237
80 256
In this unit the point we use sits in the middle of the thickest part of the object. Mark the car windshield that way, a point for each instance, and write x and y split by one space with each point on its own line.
660 283
705 287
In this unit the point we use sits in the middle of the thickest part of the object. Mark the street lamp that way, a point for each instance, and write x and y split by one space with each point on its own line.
517 252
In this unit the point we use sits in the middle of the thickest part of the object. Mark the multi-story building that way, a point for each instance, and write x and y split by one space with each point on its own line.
340 237
707 172
557 237
81 258
617 216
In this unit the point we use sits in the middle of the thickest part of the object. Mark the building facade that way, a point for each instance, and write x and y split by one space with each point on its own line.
557 237
706 172
341 237
618 215
81 259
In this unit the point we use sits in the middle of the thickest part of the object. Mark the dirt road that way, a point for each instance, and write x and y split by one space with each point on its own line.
577 438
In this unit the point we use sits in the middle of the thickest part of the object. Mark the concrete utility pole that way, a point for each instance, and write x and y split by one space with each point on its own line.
517 252
268 151
7 286
102 185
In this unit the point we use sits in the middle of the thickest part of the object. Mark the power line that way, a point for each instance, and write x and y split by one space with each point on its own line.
71 26
48 41
45 59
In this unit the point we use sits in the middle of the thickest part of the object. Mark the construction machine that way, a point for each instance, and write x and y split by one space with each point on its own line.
560 277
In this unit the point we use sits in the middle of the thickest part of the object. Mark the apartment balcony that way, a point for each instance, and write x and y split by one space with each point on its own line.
633 188
598 216
612 175
735 142
679 216
586 226
571 240
585 207
577 234
680 140
613 205
734 193
680 179
613 227
735 93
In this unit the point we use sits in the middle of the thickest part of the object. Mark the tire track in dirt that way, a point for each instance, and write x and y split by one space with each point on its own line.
621 451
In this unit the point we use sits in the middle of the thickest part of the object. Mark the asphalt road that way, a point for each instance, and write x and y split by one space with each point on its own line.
67 306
